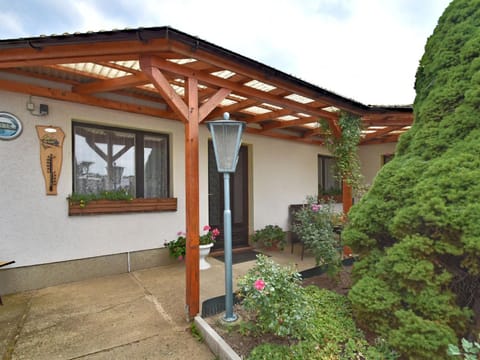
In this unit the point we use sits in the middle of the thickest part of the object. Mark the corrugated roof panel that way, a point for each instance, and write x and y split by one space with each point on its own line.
237 97
287 117
331 109
299 98
256 110
224 74
130 64
227 102
182 61
97 70
272 107
255 84
180 90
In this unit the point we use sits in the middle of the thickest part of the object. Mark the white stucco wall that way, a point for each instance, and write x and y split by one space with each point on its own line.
371 159
36 228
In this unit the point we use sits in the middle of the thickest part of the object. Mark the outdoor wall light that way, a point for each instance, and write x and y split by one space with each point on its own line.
227 138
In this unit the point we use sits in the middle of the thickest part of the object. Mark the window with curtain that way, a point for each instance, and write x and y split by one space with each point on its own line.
113 159
328 184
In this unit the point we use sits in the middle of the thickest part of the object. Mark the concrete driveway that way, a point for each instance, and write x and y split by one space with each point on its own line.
129 316
139 315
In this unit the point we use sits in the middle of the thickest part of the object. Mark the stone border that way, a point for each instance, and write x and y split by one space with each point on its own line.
214 341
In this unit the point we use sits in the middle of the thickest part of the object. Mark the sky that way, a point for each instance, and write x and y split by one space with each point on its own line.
366 50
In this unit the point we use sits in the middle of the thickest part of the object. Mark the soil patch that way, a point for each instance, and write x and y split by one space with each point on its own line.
243 344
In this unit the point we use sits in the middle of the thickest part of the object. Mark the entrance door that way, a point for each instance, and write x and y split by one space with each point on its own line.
238 199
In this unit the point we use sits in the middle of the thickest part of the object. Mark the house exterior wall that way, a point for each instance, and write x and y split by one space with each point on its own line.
371 159
36 228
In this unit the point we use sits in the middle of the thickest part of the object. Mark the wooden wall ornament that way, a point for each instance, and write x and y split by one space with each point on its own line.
51 154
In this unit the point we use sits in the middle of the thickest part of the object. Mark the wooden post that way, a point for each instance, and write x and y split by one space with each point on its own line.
188 111
192 200
346 197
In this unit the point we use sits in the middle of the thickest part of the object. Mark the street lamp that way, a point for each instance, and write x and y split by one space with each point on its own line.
227 138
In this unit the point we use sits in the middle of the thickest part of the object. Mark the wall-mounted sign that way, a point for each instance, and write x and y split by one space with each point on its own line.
10 126
51 152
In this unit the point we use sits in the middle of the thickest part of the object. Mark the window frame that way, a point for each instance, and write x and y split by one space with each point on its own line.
321 174
139 155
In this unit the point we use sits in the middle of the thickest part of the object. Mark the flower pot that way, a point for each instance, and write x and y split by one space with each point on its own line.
204 250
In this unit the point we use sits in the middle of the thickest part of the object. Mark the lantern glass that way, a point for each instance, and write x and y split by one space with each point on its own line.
227 138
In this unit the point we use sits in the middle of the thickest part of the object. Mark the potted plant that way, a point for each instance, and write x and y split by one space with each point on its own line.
177 247
271 236
206 242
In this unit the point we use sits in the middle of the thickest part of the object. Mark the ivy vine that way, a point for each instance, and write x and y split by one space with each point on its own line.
344 149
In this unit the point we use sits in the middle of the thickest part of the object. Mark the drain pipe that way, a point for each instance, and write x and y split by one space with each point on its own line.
128 260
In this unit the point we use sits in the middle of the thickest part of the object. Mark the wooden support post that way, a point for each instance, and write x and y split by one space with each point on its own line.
346 197
188 111
192 200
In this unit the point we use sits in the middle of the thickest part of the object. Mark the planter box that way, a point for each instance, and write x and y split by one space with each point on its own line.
123 206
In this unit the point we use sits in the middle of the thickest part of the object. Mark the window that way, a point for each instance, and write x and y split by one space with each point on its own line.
328 184
386 158
110 159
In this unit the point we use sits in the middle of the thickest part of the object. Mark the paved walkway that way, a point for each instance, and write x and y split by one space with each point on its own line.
139 315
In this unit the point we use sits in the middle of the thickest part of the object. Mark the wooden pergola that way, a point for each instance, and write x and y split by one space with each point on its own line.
165 73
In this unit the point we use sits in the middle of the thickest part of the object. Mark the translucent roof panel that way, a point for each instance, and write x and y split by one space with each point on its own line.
182 61
272 107
224 74
299 98
237 97
287 118
260 85
130 64
227 102
256 110
96 69
331 109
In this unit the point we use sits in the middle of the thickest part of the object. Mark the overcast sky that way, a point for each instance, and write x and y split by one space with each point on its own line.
367 50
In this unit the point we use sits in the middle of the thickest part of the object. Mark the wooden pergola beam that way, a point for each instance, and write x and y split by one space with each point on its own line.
164 88
111 84
262 96
61 94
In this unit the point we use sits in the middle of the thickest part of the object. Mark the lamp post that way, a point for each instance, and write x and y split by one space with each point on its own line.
227 138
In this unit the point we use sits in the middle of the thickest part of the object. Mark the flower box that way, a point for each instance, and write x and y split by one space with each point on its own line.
122 206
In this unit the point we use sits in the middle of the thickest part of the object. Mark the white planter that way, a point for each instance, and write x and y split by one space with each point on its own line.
204 251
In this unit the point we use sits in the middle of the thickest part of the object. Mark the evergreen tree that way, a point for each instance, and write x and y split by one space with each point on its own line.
417 230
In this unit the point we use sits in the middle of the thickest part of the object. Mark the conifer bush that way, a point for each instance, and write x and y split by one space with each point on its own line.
417 230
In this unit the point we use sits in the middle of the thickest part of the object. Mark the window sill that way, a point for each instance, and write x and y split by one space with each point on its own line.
123 206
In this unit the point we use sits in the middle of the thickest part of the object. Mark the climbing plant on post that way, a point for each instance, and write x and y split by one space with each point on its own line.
344 149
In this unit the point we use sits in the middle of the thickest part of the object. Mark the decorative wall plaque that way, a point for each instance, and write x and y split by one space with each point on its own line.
51 153
10 126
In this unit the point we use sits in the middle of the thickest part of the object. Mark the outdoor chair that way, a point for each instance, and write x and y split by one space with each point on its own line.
294 238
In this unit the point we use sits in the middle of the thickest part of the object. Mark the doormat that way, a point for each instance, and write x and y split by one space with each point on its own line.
240 256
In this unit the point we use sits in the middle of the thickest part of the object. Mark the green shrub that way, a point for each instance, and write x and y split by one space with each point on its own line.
270 235
417 230
273 294
317 322
315 226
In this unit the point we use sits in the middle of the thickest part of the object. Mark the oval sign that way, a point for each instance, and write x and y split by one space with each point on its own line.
10 126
